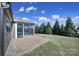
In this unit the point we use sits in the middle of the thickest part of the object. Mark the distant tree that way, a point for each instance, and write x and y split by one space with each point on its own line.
48 29
48 25
69 32
56 28
62 27
77 28
42 28
78 32
69 23
69 28
62 30
37 29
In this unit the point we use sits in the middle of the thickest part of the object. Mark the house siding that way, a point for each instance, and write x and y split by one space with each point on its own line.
5 36
1 32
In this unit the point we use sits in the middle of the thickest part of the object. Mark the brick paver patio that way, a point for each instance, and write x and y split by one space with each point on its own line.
24 45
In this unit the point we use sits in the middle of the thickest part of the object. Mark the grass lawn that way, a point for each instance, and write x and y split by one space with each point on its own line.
57 46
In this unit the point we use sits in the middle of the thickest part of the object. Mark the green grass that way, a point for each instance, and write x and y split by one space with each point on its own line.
57 46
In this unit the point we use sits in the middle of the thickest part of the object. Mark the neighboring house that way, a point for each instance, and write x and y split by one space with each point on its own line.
6 20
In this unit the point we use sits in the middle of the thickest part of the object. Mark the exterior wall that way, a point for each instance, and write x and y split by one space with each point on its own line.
1 32
0 5
7 32
5 36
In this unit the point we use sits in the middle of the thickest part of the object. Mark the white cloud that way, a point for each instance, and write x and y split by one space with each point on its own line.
76 17
17 17
44 19
35 9
31 8
24 18
43 11
35 17
52 23
75 20
61 20
55 16
21 9
35 22
27 11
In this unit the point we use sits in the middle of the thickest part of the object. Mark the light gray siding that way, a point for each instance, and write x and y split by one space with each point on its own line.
7 38
1 32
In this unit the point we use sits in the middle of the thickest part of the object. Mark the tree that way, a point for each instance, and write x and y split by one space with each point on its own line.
78 32
69 32
37 29
77 28
62 30
69 23
48 29
48 25
42 28
69 28
56 28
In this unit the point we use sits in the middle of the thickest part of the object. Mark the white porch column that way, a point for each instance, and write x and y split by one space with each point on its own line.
23 30
15 30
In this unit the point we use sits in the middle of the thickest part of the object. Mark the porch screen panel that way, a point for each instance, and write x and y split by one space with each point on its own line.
19 30
28 29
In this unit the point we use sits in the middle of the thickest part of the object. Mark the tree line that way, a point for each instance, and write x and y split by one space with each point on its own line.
67 30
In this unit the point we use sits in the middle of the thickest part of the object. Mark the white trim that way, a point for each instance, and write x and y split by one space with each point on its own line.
23 30
15 30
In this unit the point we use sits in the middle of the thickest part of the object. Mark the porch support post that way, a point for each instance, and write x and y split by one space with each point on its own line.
15 30
23 30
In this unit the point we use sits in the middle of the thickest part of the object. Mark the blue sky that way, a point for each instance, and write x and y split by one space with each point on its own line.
46 12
